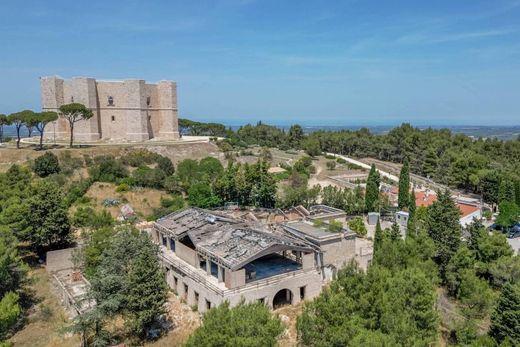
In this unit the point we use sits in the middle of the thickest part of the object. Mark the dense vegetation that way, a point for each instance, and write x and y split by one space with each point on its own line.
245 325
400 301
487 166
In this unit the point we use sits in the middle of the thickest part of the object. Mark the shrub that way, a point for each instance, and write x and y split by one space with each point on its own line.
122 187
358 226
335 226
77 190
341 161
330 156
139 157
165 164
318 223
107 169
46 165
146 177
331 165
69 163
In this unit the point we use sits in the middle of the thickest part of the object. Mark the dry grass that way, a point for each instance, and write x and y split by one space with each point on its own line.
46 318
289 337
185 321
142 201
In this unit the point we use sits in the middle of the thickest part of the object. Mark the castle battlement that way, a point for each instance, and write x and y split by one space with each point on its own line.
129 110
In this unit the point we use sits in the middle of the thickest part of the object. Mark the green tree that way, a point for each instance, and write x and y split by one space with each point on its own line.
201 195
165 165
19 119
242 326
295 135
129 282
382 304
312 147
12 268
378 236
461 261
506 191
43 119
9 312
46 165
74 113
372 190
412 207
188 173
505 320
211 168
444 228
31 120
395 231
475 295
358 226
508 214
4 120
404 186
48 216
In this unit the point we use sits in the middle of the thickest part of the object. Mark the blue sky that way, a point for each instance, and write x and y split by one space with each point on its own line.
453 62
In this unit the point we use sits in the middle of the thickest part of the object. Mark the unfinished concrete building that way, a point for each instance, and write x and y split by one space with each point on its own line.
211 258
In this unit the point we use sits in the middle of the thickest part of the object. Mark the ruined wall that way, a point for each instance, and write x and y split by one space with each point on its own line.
339 253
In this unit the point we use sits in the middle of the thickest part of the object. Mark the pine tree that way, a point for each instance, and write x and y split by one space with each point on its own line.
444 228
372 190
505 320
395 231
404 186
506 191
48 216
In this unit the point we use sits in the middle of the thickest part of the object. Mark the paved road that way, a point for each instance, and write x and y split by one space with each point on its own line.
515 244
366 166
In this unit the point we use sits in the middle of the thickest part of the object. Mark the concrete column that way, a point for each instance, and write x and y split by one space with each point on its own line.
220 274
208 266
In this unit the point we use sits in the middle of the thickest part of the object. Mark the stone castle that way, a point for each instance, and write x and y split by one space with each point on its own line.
129 110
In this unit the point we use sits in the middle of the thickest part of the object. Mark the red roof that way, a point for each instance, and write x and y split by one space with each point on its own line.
425 199
466 210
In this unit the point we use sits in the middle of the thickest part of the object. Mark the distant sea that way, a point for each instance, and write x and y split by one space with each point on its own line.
499 132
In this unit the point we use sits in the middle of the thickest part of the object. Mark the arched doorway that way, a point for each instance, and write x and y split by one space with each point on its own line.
283 297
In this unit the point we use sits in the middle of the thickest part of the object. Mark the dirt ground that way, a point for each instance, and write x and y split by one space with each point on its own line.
143 201
46 318
288 314
185 321
176 152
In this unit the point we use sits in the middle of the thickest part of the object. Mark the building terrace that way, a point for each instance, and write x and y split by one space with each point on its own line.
211 258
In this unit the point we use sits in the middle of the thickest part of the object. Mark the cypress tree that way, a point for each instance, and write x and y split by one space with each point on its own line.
372 190
444 228
404 186
412 206
378 236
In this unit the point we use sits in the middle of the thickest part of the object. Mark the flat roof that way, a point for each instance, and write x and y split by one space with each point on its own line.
309 229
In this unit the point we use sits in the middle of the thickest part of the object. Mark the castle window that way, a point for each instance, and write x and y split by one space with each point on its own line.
113 118
71 99
110 101
148 100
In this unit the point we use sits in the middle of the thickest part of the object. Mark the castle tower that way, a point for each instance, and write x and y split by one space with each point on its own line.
129 110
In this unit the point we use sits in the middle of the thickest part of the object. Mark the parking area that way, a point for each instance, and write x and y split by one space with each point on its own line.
515 244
